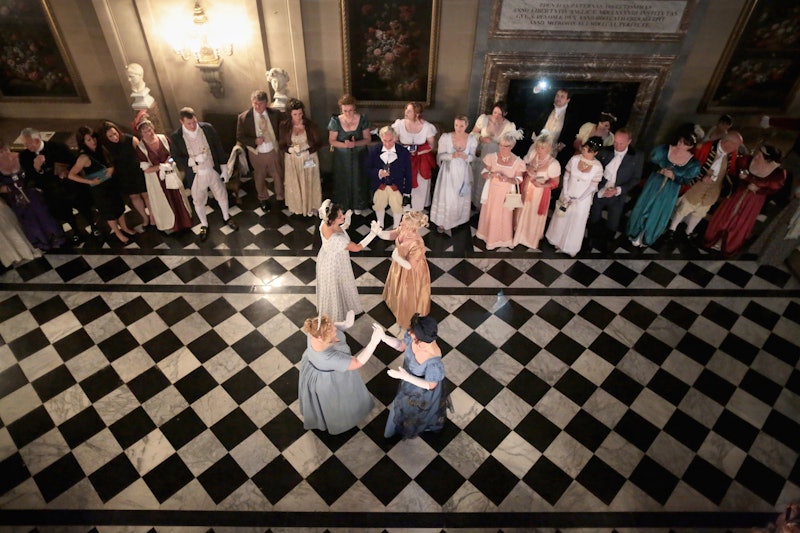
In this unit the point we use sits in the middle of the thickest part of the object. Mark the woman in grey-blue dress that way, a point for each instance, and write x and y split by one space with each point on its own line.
332 396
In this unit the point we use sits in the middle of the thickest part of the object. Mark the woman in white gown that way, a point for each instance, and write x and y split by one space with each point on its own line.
451 198
336 285
488 129
582 174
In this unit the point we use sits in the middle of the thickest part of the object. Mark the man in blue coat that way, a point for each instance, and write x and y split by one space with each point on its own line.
388 166
622 170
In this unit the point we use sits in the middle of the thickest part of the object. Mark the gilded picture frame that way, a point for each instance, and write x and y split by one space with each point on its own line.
759 71
389 51
35 64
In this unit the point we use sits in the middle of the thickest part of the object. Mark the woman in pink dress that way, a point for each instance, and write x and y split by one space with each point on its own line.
503 169
541 178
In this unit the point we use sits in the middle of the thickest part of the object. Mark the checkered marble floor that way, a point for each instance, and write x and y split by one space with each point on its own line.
156 386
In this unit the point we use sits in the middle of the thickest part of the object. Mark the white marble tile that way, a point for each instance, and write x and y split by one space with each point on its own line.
307 453
149 451
97 451
509 408
67 404
412 455
202 452
568 454
359 454
516 454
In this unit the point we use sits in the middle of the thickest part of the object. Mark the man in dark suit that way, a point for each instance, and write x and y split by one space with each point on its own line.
388 166
46 165
561 124
257 130
197 149
622 170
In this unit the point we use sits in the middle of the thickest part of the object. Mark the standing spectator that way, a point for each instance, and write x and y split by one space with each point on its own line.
502 170
348 135
388 167
299 141
46 166
581 177
41 229
718 162
676 167
451 198
541 177
734 219
257 130
197 150
123 150
418 135
622 170
94 169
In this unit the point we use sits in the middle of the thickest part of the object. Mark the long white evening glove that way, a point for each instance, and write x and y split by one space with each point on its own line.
347 323
402 373
368 239
399 260
369 349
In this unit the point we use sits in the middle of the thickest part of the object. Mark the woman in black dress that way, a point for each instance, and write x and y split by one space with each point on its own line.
122 148
92 168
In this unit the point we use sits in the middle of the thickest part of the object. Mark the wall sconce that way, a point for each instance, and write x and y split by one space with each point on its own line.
206 45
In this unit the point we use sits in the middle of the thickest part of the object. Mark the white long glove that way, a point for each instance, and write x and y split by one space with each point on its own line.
347 216
368 239
399 260
401 373
369 349
348 321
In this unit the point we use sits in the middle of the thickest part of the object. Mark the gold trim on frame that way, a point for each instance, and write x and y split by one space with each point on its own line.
432 56
649 71
496 33
55 32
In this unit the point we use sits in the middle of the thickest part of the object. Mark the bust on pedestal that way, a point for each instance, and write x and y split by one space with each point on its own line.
139 91
278 79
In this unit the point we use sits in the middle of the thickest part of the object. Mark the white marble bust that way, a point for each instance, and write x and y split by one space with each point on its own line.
139 91
278 78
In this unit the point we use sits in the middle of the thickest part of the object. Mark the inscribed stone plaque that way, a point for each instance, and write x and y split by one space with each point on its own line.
585 18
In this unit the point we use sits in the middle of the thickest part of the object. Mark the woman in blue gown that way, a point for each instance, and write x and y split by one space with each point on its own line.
421 401
675 167
332 396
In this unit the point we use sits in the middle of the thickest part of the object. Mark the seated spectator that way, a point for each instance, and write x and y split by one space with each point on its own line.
41 229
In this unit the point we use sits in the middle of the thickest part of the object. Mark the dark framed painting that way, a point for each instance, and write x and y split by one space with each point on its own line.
759 71
390 51
35 66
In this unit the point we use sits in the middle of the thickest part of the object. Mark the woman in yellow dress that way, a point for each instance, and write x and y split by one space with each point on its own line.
408 284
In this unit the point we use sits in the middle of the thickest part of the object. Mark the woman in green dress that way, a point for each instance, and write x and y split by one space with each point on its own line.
348 135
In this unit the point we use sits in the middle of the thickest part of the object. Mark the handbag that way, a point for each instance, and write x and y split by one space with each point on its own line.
513 198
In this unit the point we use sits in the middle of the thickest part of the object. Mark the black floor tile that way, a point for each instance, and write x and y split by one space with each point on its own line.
481 386
637 430
169 477
195 384
587 430
668 386
548 480
73 344
521 348
162 345
654 479
101 383
284 429
736 430
150 270
494 480
81 427
217 311
555 314
53 383
601 480
385 480
182 428
58 477
564 348
575 387
233 428
113 477
686 430
707 480
222 478
148 384
48 310
487 430
622 387
131 311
